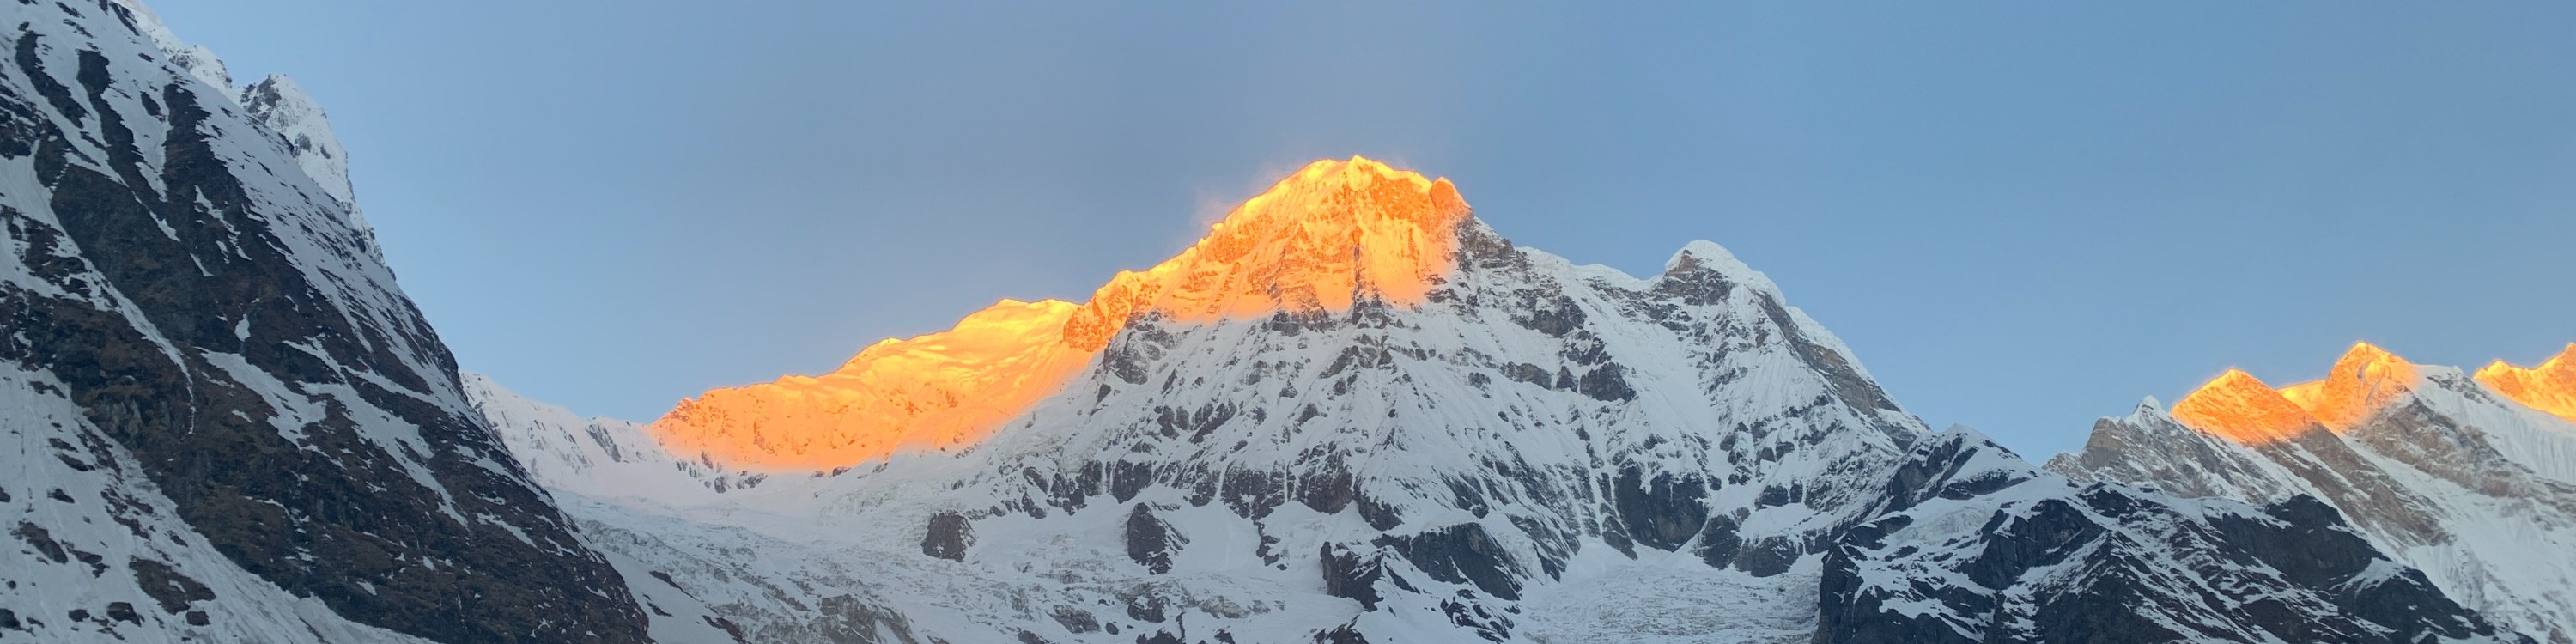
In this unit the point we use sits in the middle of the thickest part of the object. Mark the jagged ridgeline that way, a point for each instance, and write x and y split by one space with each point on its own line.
2469 478
1351 413
1355 413
231 424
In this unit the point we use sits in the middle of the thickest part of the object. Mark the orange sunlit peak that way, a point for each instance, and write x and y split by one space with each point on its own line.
2549 387
2239 407
1326 236
2364 381
1319 240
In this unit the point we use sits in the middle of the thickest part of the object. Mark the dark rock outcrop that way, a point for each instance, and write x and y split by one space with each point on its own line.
1149 540
947 536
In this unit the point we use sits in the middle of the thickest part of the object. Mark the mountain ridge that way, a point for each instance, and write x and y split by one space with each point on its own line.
1317 242
235 426
1527 449
2435 466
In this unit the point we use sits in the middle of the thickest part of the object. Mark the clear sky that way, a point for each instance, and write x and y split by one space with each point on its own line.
2022 216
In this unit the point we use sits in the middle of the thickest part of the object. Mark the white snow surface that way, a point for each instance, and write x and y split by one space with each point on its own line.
199 62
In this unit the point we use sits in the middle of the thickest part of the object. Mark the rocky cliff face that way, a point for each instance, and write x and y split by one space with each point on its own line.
235 427
1522 450
2443 473
1976 545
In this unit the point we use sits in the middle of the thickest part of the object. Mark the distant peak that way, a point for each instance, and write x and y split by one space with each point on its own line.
2363 352
2239 407
2364 381
2234 378
280 90
2149 404
2548 387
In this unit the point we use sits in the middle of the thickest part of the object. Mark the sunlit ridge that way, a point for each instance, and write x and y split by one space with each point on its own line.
2363 382
1333 234
2550 387
2239 407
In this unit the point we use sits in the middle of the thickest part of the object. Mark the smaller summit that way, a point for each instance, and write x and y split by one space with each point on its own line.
2550 387
2365 380
2239 407
283 107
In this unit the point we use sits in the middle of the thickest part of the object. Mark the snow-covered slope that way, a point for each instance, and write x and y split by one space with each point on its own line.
597 457
1524 450
2437 470
231 424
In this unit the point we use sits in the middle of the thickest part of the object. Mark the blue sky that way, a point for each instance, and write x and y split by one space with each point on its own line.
2021 216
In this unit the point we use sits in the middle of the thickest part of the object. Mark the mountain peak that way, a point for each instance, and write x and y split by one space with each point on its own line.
2549 387
1322 239
2365 380
279 104
194 59
1330 235
2239 407
1357 172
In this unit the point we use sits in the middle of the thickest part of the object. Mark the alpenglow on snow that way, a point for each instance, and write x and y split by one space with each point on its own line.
1352 412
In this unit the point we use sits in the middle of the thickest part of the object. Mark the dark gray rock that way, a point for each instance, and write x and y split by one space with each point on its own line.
1663 512
1149 540
174 591
947 536
1352 573
1461 554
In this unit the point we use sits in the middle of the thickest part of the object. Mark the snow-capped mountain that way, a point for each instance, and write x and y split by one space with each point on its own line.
232 425
2448 473
1355 413
1351 413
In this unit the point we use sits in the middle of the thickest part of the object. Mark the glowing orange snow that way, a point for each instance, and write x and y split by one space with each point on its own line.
943 388
2238 407
1334 233
2364 381
2550 387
